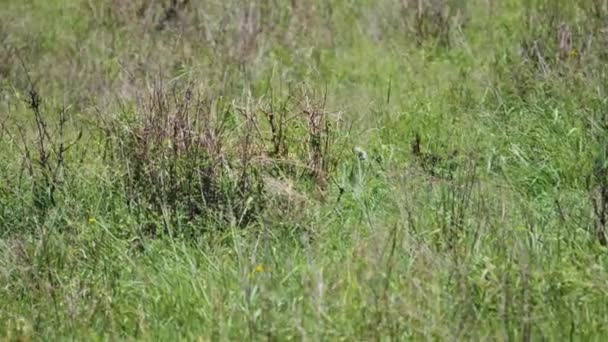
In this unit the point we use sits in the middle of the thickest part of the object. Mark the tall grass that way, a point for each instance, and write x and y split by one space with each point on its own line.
314 170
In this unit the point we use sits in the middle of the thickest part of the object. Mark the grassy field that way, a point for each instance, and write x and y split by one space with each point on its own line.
304 170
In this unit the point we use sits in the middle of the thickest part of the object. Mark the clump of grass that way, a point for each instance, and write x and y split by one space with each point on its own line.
300 117
175 152
189 158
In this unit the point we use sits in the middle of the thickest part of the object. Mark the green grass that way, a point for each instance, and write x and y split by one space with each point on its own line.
475 214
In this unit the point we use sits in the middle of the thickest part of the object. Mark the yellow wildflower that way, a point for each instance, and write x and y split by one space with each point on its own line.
92 220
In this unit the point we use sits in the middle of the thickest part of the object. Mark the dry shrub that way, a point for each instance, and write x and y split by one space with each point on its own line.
562 38
433 19
148 15
597 182
561 49
173 150
7 56
125 12
599 201
191 157
318 142
43 146
234 32
243 31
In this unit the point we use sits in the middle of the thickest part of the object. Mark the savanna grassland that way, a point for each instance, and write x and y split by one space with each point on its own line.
304 170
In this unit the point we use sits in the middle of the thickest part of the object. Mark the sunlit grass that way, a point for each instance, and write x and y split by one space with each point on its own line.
459 195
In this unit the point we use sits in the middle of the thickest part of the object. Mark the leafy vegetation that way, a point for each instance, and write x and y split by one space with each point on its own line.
317 170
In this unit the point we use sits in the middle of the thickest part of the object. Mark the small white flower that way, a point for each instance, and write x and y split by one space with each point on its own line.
361 154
